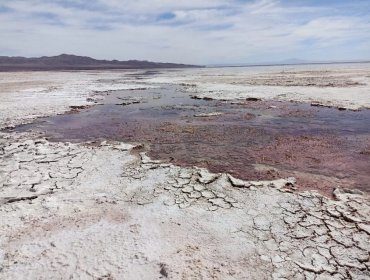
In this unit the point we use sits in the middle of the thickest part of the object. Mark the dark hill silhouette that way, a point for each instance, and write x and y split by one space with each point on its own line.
74 62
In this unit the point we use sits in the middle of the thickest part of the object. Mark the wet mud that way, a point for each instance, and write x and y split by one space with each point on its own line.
251 139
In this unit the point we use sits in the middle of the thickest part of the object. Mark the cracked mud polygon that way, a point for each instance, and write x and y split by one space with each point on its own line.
141 181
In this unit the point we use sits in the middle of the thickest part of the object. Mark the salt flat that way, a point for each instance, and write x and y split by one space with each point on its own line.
27 95
105 210
344 86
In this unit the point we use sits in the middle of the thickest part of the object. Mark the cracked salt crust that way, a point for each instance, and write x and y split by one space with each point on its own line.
85 218
75 211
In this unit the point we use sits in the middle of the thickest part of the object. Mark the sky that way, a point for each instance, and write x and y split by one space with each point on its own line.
188 31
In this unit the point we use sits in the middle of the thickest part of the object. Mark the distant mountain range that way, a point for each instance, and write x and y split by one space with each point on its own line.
74 62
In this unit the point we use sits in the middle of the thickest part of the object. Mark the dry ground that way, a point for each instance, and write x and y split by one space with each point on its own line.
80 211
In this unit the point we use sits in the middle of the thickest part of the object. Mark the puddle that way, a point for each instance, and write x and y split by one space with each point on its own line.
322 147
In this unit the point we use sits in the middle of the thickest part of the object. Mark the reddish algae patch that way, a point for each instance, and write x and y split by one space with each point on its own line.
253 140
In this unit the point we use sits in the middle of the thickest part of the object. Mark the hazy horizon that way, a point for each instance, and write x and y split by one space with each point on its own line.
194 32
293 61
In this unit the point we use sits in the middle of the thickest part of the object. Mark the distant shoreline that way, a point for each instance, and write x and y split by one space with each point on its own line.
287 64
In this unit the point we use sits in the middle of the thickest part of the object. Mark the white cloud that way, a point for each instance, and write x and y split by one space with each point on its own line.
191 31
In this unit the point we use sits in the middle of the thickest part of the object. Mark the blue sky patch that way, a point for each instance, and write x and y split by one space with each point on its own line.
193 31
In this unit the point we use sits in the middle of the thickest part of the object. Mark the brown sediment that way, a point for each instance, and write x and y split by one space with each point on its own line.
296 113
319 163
173 128
77 109
253 140
249 116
